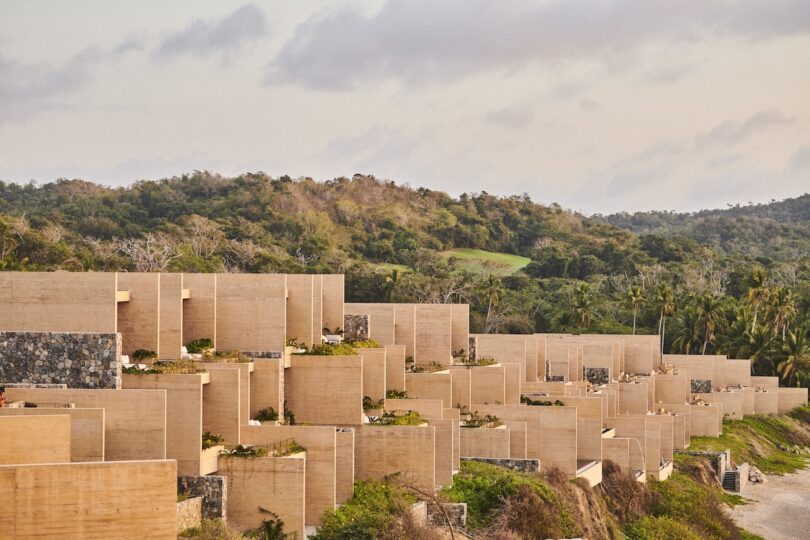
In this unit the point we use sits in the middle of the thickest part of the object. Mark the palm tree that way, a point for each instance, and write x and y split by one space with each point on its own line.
635 297
797 357
782 309
582 308
687 333
758 294
737 334
760 347
665 302
710 313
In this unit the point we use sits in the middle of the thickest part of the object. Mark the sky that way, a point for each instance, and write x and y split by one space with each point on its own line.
600 105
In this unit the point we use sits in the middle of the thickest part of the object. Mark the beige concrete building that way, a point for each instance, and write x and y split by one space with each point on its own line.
567 401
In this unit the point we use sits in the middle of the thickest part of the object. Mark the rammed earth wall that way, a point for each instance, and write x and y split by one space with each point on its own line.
77 360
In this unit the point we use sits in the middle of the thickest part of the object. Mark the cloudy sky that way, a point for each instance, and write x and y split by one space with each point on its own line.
599 105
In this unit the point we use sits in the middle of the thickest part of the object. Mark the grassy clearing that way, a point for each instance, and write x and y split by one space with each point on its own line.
388 267
496 263
757 440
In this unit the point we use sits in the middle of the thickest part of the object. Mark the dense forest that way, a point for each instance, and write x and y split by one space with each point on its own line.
733 281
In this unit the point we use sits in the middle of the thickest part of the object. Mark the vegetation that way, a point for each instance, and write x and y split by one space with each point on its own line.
209 440
143 354
475 420
773 444
397 418
266 415
159 367
199 345
483 361
430 367
733 282
541 402
328 349
225 357
396 394
280 449
364 344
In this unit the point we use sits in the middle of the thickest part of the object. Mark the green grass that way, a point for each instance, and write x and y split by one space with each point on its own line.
754 439
496 263
388 267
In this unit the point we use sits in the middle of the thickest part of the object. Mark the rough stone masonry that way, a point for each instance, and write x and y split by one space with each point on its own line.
77 360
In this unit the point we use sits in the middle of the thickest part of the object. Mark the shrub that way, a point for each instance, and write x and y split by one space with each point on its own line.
411 418
144 354
178 367
541 402
364 344
485 361
370 404
212 529
474 420
199 345
209 440
266 415
225 357
368 515
424 368
328 349
659 528
396 394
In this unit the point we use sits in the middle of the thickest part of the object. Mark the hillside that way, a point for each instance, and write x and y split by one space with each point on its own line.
777 230
733 282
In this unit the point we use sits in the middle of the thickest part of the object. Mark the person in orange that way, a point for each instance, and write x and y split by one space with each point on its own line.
2 396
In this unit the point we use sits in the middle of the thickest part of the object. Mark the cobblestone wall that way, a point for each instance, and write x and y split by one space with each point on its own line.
189 514
355 327
212 489
701 386
76 360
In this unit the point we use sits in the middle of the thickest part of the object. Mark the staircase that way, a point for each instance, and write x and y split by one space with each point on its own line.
730 481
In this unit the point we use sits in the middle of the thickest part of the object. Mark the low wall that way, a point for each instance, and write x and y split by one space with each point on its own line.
189 513
75 359
213 491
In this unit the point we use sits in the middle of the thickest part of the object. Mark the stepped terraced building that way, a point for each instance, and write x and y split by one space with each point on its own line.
95 448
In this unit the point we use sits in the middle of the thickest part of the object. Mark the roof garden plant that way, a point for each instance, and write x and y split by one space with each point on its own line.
396 394
225 357
283 448
483 361
199 345
166 367
144 354
430 367
266 415
210 440
397 418
541 402
365 344
475 420
370 404
328 349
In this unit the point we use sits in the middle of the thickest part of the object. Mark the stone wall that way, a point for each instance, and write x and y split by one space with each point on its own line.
456 514
473 345
189 514
701 386
355 327
212 489
520 465
77 360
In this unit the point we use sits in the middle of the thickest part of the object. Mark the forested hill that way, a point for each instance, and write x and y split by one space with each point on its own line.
779 229
713 282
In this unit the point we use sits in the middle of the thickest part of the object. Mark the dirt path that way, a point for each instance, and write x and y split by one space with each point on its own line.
778 509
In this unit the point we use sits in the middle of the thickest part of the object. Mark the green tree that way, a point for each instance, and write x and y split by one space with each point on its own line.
665 304
758 292
782 309
582 306
797 357
635 297
688 331
710 312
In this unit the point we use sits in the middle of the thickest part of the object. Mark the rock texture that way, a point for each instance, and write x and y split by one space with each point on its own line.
597 375
701 386
76 360
355 327
212 489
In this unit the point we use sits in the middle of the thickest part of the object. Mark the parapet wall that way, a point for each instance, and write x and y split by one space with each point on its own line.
77 360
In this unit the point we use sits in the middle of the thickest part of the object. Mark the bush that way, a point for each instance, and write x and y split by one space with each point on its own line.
396 394
659 528
144 354
199 345
411 418
328 349
209 440
364 344
266 415
212 529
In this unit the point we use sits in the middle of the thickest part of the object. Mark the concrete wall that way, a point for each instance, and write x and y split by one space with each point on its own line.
634 398
766 402
461 383
267 385
301 312
706 420
517 439
200 310
385 450
460 326
58 302
86 430
128 500
405 327
251 312
321 446
325 389
184 410
590 411
344 465
245 373
135 420
276 484
374 373
445 440
433 331
381 320
34 439
171 316
427 408
551 432
75 360
139 319
790 398
333 310
485 442
437 385
738 372
487 384
222 409
395 367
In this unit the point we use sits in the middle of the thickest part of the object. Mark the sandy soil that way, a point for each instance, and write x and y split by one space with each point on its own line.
778 509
